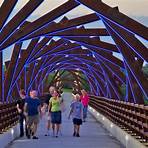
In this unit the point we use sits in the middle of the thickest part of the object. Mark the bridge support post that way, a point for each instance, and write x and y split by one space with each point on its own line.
1 76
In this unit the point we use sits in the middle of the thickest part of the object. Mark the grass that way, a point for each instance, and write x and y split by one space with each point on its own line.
67 90
146 102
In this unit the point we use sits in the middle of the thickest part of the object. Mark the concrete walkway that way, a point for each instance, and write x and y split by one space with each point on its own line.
93 135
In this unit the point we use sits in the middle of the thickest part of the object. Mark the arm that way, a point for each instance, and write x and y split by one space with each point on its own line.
18 109
71 110
39 109
49 107
82 112
61 100
87 100
25 109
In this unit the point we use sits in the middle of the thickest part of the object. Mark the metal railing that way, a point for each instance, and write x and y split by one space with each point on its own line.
132 118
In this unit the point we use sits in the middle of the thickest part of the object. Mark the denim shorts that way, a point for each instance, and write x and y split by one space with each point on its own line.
56 117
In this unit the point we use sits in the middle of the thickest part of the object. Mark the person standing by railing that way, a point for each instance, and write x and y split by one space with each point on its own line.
20 108
85 100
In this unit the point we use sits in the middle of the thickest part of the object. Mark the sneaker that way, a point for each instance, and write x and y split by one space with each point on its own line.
34 137
21 135
47 134
77 135
57 135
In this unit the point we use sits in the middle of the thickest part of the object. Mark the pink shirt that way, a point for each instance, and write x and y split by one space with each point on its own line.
85 100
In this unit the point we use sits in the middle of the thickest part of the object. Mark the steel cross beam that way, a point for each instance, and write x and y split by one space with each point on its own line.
116 17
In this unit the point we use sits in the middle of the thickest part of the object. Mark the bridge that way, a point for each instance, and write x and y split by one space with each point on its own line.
61 51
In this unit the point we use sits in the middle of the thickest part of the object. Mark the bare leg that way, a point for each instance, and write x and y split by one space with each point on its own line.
48 128
77 130
29 129
34 130
60 129
48 125
74 130
57 129
53 129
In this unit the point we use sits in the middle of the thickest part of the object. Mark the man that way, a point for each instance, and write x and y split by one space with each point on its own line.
20 108
33 109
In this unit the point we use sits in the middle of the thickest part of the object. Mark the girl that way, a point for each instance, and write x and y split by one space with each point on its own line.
46 116
85 100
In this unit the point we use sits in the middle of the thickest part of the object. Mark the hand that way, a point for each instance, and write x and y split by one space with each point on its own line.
25 113
19 110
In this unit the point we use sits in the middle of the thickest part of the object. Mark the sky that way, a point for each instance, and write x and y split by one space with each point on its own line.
136 9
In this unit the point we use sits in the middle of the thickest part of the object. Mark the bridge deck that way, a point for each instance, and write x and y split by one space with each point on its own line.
93 135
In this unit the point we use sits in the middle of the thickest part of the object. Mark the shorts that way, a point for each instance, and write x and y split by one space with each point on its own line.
33 119
56 117
77 121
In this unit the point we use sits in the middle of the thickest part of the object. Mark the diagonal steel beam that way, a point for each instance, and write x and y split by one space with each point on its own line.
39 23
5 10
117 17
17 20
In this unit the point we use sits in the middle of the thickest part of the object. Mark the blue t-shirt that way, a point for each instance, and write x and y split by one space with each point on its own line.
77 108
32 106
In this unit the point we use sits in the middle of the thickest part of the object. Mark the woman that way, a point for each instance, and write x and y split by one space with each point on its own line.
77 113
55 111
45 107
85 100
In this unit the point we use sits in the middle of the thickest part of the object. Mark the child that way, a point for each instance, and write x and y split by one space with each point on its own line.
46 117
77 113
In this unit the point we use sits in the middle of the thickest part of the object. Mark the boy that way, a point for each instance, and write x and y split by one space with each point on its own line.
77 113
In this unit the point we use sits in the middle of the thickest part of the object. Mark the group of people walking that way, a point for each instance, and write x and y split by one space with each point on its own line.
31 110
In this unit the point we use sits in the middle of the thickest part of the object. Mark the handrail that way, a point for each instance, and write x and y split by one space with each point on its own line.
8 116
131 117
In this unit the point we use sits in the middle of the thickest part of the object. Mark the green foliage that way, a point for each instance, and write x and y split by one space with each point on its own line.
50 77
145 70
146 102
123 90
66 90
